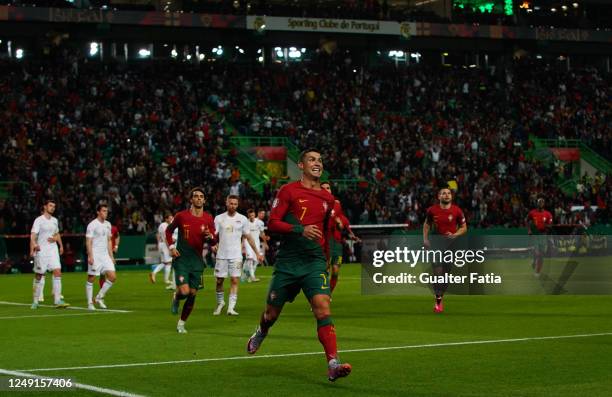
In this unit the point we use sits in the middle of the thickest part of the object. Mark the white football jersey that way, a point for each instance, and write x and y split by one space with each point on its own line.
255 229
46 228
162 232
99 233
230 230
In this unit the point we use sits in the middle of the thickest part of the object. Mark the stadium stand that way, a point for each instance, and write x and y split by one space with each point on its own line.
139 134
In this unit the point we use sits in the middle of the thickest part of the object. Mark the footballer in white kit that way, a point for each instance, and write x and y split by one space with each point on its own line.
256 229
99 257
231 227
44 241
164 252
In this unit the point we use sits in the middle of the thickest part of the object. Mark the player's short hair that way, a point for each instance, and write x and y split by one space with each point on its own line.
444 187
167 214
250 211
327 183
100 206
197 189
306 151
261 209
48 201
232 196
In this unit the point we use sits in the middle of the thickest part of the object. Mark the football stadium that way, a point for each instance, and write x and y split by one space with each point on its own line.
305 197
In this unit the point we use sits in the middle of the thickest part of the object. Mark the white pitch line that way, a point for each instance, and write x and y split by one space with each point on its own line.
68 308
51 315
83 386
371 349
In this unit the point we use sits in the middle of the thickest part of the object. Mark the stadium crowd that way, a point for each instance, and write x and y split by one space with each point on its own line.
138 135
407 131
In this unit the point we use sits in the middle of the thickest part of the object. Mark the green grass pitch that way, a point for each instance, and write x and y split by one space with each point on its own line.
51 338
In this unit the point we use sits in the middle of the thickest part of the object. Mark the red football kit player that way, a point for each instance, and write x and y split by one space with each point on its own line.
538 222
196 228
338 223
444 219
300 213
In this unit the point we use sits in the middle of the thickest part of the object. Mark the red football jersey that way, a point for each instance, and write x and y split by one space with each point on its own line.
191 230
296 206
114 235
540 219
333 226
445 221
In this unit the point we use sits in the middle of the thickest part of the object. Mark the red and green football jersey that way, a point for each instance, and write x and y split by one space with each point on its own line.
294 207
191 238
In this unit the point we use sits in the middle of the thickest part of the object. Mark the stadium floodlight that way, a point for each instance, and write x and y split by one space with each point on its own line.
218 50
294 53
564 7
93 49
575 5
279 53
174 53
553 9
144 53
260 59
188 57
19 53
240 50
201 57
303 50
259 51
277 49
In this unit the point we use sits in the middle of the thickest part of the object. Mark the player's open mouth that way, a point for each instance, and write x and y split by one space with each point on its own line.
316 169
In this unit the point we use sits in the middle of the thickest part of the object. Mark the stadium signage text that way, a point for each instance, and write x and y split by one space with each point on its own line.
405 29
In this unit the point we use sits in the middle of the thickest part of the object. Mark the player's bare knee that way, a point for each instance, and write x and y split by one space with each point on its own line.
193 291
184 289
321 313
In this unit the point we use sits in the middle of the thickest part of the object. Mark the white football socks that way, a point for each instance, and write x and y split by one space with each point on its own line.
37 289
89 292
220 297
233 298
57 289
105 287
167 270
